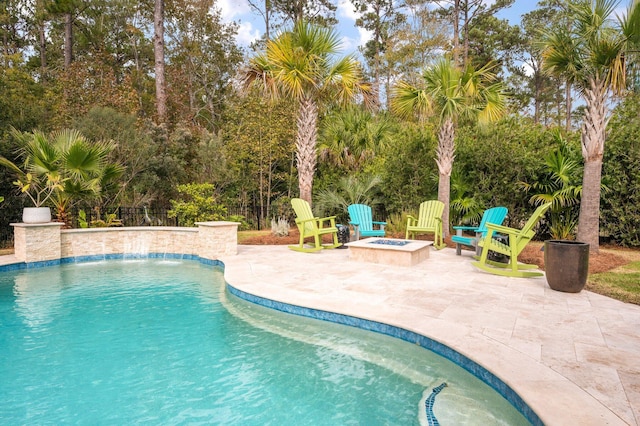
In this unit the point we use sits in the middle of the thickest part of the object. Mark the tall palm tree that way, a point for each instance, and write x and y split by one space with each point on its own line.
451 93
593 53
300 64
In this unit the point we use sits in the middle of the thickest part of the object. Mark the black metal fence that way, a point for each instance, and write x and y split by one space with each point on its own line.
123 216
126 216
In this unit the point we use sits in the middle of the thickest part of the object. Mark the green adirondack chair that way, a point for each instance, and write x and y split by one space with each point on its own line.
494 215
518 239
429 220
313 227
361 219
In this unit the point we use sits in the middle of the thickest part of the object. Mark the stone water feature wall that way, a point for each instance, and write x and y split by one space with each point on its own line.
48 242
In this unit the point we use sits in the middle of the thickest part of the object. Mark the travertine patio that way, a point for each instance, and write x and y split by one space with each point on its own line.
574 358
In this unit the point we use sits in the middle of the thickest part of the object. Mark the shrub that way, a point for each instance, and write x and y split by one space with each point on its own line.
280 227
619 214
197 204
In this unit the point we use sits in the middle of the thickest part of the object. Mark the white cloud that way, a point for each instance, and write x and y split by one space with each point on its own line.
247 33
347 17
365 36
229 9
235 11
345 10
348 44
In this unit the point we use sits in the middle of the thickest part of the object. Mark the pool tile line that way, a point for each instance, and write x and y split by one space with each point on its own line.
430 402
409 336
112 256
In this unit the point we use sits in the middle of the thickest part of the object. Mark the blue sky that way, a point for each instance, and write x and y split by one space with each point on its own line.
251 27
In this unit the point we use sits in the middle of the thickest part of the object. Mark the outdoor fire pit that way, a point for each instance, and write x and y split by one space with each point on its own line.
389 251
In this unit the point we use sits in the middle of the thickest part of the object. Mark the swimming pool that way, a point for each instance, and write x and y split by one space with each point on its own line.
163 342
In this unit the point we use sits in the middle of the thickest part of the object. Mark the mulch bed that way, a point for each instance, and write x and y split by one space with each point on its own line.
601 262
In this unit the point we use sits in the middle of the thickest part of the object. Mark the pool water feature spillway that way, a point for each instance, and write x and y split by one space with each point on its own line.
37 244
390 251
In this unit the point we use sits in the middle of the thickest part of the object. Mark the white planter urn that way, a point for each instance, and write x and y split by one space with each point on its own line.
36 215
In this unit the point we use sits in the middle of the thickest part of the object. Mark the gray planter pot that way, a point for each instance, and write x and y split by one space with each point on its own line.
36 215
566 265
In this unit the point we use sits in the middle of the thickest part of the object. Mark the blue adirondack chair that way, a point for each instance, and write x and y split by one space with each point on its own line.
361 219
493 215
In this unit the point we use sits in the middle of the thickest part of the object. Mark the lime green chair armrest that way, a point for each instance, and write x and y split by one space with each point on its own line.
503 229
312 219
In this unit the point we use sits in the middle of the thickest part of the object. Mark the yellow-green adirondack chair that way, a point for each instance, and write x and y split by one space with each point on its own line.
311 226
518 239
429 220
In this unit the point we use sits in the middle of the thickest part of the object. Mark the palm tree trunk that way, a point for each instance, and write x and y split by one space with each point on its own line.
445 155
306 146
592 138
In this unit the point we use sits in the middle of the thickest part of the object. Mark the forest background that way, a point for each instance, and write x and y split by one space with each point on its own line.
91 66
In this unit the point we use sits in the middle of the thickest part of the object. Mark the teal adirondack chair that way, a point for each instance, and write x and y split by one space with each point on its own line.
429 220
518 239
494 215
313 227
361 219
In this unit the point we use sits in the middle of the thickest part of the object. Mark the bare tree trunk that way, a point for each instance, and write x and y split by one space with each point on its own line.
68 39
445 153
537 80
158 44
465 52
456 32
43 49
266 15
567 94
593 139
307 122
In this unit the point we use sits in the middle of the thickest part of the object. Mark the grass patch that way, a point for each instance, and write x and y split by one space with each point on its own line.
622 283
245 235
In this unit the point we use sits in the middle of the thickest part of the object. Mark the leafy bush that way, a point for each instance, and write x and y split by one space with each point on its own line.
281 208
197 204
244 224
498 159
397 224
619 214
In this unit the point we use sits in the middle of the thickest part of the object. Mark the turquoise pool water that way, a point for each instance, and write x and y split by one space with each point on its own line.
161 342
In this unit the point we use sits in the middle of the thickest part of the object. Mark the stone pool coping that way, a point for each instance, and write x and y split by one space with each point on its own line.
571 357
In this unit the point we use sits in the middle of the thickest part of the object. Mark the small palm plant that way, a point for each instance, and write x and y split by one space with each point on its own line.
560 185
62 168
466 208
36 177
348 190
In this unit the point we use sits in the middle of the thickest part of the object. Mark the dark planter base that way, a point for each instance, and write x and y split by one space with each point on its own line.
566 265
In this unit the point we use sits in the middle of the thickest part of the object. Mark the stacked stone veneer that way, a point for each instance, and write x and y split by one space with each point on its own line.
46 242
